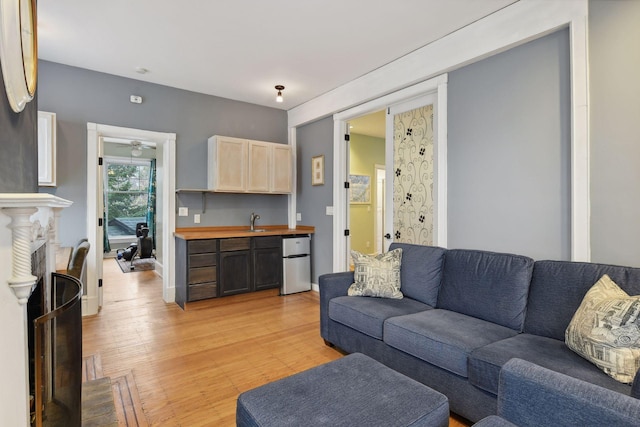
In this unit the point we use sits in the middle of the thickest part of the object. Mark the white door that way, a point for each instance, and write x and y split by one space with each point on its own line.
380 208
412 165
101 225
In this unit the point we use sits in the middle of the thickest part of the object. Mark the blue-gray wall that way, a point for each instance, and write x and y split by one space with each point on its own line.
18 146
509 148
313 140
78 96
614 90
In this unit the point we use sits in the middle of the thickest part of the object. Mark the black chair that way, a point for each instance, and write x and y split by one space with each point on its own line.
145 242
78 261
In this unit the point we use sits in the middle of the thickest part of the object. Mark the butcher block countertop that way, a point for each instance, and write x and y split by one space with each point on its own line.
196 233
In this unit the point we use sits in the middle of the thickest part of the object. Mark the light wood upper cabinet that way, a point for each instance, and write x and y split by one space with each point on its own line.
247 166
282 169
227 165
260 167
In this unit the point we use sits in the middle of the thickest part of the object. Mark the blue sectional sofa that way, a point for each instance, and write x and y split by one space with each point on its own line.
532 396
464 315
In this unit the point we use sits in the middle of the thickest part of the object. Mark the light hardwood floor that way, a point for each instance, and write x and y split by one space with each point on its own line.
189 366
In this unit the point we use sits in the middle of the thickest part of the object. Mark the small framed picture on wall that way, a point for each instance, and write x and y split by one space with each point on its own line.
317 170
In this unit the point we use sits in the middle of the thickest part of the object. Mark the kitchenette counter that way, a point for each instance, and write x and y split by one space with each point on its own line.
197 233
214 262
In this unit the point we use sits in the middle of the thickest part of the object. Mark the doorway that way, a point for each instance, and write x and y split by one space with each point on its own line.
431 92
366 158
165 215
129 192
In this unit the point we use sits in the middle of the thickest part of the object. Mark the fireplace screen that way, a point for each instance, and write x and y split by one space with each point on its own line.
58 356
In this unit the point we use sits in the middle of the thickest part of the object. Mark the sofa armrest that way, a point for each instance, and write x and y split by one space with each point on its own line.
530 395
331 286
635 387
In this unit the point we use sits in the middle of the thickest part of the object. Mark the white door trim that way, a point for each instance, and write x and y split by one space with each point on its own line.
167 143
512 26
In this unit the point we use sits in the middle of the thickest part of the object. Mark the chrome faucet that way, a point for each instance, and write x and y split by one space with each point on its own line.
252 221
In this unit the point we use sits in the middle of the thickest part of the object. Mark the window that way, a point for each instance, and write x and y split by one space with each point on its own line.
126 195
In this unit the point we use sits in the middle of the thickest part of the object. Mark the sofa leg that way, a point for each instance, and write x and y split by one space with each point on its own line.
328 343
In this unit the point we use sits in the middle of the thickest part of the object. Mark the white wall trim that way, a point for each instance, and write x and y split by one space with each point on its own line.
293 142
166 142
512 26
580 158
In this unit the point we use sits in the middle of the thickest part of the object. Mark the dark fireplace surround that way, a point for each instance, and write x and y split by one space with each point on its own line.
54 333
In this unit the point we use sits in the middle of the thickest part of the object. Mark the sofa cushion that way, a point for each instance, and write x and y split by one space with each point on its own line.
367 315
421 271
485 362
376 276
605 330
487 285
441 337
557 289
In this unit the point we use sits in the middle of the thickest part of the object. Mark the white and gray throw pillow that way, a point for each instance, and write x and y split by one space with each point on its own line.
376 276
605 330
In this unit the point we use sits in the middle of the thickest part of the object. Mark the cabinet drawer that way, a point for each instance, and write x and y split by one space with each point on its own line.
202 274
203 291
238 244
202 246
267 242
202 260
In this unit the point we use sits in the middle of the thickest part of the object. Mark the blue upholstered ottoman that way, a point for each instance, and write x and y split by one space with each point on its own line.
353 391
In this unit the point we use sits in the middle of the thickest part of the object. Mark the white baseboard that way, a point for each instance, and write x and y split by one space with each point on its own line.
315 287
159 268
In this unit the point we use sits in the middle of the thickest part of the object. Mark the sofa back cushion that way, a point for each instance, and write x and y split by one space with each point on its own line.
487 285
421 271
558 287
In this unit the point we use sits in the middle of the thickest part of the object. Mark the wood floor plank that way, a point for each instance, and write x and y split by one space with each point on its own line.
189 366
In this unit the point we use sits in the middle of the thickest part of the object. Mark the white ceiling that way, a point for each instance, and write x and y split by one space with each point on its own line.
240 49
373 124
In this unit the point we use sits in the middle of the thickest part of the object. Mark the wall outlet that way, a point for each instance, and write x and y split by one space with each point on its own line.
329 210
298 216
184 211
196 218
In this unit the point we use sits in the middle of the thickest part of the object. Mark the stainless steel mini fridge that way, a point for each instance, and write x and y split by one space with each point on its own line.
296 269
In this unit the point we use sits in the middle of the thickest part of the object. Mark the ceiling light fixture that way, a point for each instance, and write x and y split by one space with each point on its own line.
279 88
136 148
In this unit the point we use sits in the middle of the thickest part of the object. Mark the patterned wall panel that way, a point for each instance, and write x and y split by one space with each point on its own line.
413 180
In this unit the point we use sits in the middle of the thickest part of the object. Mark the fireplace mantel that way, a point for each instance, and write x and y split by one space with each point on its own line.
27 217
27 220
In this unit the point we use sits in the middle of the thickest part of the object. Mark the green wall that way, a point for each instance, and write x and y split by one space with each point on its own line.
365 152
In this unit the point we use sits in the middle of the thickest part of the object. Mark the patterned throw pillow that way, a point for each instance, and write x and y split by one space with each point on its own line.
605 330
376 276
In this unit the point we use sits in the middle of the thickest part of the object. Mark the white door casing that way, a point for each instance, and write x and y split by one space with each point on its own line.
165 142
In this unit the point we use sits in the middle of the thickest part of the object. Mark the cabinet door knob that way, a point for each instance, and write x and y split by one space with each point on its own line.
387 236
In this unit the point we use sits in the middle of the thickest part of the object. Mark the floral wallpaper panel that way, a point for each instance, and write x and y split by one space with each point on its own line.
413 180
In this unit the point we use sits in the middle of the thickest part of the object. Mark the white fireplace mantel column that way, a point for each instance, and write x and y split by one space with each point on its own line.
21 207
24 218
21 281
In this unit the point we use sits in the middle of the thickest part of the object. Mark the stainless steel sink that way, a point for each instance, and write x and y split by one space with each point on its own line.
257 230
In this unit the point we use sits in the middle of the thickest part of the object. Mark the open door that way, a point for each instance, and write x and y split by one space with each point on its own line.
413 184
433 95
92 292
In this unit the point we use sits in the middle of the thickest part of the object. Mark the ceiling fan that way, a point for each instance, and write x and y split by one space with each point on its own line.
138 146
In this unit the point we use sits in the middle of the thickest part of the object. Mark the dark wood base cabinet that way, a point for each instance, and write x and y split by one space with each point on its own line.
196 270
267 262
211 268
235 273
